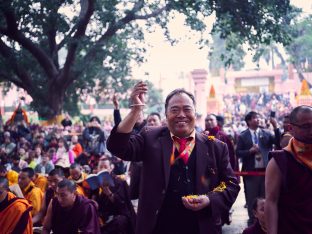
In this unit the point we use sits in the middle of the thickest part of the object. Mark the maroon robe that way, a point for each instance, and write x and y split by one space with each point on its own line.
295 200
81 217
254 229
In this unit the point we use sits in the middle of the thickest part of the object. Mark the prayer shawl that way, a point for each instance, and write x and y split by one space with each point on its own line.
34 196
80 184
12 218
301 151
41 182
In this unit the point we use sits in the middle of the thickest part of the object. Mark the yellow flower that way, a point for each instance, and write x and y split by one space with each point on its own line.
211 138
220 188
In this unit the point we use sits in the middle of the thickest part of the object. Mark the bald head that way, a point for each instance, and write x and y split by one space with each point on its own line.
4 183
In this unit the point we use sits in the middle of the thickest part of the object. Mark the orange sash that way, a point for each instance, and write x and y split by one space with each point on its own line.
11 215
301 151
41 182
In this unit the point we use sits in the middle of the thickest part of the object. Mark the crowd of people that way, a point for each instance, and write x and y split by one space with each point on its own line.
181 179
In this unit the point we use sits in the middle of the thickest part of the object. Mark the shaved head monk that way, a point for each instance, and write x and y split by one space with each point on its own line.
31 193
70 213
15 216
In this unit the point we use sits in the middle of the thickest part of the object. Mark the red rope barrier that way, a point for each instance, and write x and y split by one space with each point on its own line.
249 173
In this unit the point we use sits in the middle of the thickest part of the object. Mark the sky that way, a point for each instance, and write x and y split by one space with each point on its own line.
171 62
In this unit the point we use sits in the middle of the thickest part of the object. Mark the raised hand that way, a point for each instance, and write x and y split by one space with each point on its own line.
138 95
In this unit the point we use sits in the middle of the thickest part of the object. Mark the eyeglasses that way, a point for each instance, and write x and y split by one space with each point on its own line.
303 126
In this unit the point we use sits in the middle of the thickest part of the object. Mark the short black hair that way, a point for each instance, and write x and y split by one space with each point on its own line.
4 181
57 171
154 113
30 172
95 118
16 157
211 114
178 91
249 116
74 165
3 169
69 184
294 113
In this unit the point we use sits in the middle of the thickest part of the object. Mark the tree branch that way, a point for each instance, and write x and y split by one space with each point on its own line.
9 78
13 33
114 27
87 9
8 54
153 14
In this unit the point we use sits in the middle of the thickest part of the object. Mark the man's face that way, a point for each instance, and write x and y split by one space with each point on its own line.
74 139
153 120
45 158
180 115
104 164
286 123
65 197
254 122
53 181
3 192
23 180
38 151
21 152
7 140
211 122
259 213
302 129
75 173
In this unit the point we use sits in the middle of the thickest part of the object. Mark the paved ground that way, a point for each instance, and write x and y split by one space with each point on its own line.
239 216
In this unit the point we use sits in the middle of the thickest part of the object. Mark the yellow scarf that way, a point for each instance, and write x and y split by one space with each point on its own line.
301 151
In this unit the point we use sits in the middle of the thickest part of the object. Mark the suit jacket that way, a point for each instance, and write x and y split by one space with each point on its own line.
244 143
153 146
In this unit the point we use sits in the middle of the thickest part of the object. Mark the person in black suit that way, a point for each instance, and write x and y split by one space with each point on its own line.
187 180
253 147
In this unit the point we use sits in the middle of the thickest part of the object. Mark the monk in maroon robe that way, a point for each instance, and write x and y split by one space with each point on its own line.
71 213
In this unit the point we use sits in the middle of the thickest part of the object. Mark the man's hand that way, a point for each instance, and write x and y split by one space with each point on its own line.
273 122
115 102
196 203
138 94
254 149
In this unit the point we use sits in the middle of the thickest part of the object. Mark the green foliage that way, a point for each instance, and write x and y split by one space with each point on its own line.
300 50
55 49
222 56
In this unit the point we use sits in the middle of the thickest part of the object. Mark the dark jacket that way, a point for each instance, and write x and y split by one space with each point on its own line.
153 146
266 141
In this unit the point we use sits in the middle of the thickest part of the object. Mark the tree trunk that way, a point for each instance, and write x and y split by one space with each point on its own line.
52 105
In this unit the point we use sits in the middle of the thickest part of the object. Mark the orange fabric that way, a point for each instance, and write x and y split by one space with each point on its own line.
11 215
11 121
12 177
80 189
41 182
34 197
301 151
77 149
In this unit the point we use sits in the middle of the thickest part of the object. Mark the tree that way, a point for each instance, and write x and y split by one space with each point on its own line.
222 56
300 50
54 49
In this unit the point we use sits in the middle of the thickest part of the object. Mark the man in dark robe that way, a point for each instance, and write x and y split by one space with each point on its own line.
115 207
71 213
288 179
15 216
55 176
